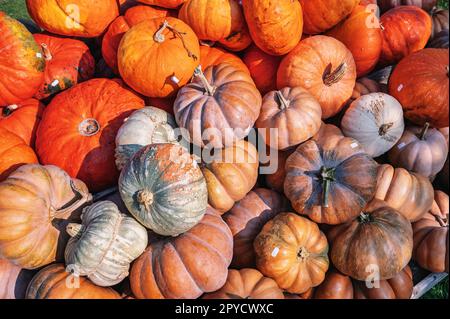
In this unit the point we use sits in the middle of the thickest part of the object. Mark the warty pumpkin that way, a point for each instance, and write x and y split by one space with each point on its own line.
158 56
439 21
78 18
323 66
32 232
57 282
80 139
164 189
426 5
293 251
13 280
420 83
219 106
275 26
198 261
164 3
214 56
22 63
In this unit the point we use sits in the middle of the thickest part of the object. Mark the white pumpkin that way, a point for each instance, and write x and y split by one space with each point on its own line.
104 245
146 126
376 121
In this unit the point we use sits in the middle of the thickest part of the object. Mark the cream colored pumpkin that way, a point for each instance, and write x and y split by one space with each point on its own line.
104 245
146 126
376 121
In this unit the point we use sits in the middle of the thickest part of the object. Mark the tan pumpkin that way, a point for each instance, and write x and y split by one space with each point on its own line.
276 161
440 19
365 86
13 280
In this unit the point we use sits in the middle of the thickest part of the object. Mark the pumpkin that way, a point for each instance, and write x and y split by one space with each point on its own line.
230 173
13 280
219 107
275 26
173 48
439 21
32 232
420 150
164 3
336 10
431 236
68 62
426 5
323 66
379 241
247 283
246 219
22 63
146 126
321 181
440 41
239 38
118 28
306 295
78 18
275 162
57 282
365 86
376 121
82 137
326 132
22 119
103 246
263 68
293 251
420 84
405 30
14 152
198 261
164 189
214 56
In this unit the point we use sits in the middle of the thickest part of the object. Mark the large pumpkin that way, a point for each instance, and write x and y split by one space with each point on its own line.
13 280
164 189
197 261
158 56
36 204
379 242
78 129
275 26
68 62
323 66
214 56
164 3
246 220
219 107
57 282
22 63
420 83
321 181
293 251
77 18
431 236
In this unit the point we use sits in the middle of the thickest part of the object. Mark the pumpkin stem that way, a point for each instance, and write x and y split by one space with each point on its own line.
330 78
284 104
209 89
424 131
364 218
145 198
7 111
74 230
303 253
327 175
79 200
47 54
89 127
442 222
159 37
385 128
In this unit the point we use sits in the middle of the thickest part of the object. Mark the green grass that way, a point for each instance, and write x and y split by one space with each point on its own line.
439 291
443 4
15 8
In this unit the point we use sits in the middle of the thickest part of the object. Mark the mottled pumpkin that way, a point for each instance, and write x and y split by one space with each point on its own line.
13 280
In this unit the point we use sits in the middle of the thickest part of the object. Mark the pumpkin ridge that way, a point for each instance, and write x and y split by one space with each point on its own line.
207 245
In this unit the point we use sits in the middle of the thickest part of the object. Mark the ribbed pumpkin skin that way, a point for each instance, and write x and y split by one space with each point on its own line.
365 86
420 83
68 62
49 200
247 284
214 56
148 64
13 280
293 251
186 266
380 237
440 22
164 3
78 18
164 189
146 126
54 282
80 139
275 26
22 63
246 219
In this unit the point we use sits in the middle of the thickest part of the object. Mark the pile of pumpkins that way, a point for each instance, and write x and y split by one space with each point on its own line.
93 100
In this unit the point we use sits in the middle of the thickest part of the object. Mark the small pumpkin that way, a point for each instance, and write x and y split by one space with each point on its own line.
426 5
275 26
247 283
164 3
146 126
365 86
293 251
379 240
440 22
289 117
164 189
55 282
198 261
32 232
246 219
13 280
323 66
214 56
219 107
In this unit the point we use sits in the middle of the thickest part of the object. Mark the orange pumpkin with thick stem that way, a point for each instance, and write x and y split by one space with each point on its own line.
164 3
13 280
214 56
78 18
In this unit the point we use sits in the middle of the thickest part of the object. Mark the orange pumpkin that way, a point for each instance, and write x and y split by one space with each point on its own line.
323 66
214 56
277 159
239 37
164 3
